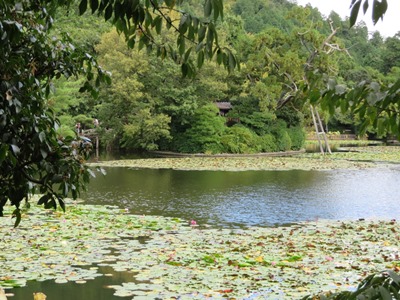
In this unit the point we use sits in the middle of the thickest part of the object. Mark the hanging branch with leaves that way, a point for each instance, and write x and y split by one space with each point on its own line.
141 21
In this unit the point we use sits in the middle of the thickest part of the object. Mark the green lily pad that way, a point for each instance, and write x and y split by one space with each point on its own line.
277 263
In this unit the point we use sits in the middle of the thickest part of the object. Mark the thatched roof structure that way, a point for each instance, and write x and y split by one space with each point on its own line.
224 105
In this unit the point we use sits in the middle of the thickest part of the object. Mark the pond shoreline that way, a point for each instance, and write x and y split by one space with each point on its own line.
364 158
168 154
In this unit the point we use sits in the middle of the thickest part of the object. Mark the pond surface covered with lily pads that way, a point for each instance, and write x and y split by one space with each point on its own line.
251 198
258 235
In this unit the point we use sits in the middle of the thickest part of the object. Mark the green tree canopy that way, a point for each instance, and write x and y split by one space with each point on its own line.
32 154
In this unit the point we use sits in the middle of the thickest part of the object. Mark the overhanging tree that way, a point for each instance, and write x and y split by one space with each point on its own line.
375 103
32 156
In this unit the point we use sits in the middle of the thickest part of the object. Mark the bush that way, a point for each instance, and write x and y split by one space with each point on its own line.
268 143
66 131
297 136
283 141
239 139
86 122
280 131
204 135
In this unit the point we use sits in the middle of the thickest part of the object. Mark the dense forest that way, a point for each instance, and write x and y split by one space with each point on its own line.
262 107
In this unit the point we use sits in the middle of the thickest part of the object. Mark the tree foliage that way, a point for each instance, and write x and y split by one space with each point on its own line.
384 285
204 134
32 154
297 56
379 8
142 23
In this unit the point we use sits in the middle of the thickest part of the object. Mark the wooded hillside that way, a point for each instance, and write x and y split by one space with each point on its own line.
285 51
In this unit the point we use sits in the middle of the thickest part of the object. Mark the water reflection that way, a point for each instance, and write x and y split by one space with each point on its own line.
94 289
231 199
261 198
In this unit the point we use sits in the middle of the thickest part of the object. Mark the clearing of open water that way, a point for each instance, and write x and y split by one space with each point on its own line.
251 198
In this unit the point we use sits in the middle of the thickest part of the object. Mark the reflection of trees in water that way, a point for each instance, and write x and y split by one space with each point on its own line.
153 182
205 195
249 197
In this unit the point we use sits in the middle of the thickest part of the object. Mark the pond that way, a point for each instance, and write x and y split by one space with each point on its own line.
231 200
251 198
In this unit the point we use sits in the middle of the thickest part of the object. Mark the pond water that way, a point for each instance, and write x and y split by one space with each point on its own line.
95 289
232 199
251 198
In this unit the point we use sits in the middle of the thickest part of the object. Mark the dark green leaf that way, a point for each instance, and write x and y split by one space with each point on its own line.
187 54
207 8
202 33
217 10
385 295
44 199
168 22
158 24
50 204
94 4
3 152
131 42
219 56
170 3
365 6
185 69
82 7
200 59
209 42
118 11
232 62
108 12
148 19
183 25
17 215
181 44
219 5
354 12
62 204
378 10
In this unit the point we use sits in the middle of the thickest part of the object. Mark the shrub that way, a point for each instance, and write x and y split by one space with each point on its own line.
283 141
280 131
297 136
268 143
239 139
205 132
86 122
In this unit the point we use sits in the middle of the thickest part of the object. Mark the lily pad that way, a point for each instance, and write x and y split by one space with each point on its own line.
193 262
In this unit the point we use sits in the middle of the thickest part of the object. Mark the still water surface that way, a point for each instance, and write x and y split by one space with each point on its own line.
251 198
232 199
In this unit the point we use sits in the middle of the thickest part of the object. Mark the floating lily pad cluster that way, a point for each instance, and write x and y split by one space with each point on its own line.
169 258
241 164
357 158
61 246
